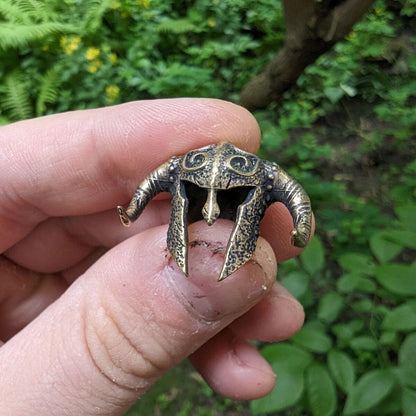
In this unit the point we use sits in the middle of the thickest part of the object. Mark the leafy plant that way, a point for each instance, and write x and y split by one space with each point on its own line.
27 21
148 48
353 354
15 97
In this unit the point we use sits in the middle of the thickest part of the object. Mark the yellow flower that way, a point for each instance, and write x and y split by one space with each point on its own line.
92 53
69 44
145 4
112 92
113 58
93 66
211 23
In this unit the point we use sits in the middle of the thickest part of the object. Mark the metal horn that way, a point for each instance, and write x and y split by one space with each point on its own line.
288 191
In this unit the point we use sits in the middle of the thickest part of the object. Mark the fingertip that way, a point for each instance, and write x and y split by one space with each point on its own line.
275 318
234 368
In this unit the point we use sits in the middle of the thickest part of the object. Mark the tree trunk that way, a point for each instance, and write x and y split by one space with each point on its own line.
312 28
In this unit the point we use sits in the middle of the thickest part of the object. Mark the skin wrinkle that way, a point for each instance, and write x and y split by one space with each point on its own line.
163 331
107 165
91 357
111 359
100 394
152 334
141 373
90 149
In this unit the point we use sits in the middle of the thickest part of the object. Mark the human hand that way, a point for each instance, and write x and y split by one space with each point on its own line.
117 311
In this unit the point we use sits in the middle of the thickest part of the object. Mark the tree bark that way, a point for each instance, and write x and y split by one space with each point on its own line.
312 28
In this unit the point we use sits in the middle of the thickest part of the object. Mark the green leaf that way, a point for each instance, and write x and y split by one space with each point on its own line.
391 404
364 342
94 16
48 90
407 216
355 262
407 361
296 283
369 390
321 391
334 94
406 238
15 97
397 278
330 306
342 369
312 257
388 338
289 362
364 305
313 340
345 331
383 248
350 91
16 35
409 402
177 26
354 281
402 318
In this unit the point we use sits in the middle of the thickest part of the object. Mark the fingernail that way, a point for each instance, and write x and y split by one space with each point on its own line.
210 299
246 355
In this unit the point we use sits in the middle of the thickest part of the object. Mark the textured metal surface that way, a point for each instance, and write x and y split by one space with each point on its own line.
223 181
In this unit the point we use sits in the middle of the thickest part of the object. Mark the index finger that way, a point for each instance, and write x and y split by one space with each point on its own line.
88 161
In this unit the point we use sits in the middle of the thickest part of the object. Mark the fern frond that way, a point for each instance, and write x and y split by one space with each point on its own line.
14 35
94 15
177 26
40 11
26 11
48 90
15 97
12 12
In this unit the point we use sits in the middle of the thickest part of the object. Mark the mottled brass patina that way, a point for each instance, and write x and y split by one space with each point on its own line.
221 180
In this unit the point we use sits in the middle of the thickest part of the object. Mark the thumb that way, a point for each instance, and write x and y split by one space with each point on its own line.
130 318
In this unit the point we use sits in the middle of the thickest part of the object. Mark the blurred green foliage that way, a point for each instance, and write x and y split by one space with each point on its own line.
346 131
72 54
